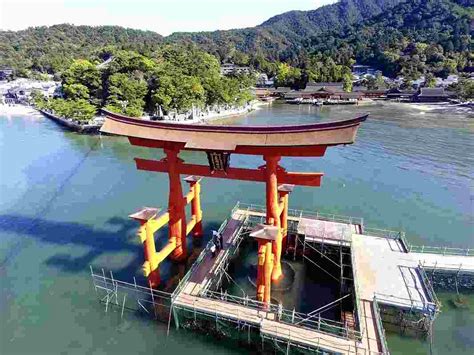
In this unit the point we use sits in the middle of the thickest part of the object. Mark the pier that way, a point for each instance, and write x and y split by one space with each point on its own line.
376 256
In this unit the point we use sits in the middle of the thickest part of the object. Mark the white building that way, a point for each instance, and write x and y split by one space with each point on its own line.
230 68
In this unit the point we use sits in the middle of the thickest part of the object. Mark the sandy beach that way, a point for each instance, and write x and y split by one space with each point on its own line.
17 109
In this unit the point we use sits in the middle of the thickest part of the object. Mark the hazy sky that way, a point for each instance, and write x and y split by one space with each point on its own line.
162 16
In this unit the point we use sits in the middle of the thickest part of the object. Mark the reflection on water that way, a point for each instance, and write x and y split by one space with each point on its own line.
64 199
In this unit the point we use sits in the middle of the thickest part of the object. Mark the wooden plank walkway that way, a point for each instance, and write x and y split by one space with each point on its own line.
326 232
369 344
318 230
370 337
383 271
285 332
452 263
310 338
223 309
189 299
205 269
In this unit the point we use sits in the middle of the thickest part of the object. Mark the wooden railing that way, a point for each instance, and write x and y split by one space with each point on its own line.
369 231
297 213
286 316
440 250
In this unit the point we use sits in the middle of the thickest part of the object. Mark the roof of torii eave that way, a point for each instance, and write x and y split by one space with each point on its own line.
289 140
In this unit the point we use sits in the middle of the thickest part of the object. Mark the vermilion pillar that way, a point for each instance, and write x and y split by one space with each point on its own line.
261 269
150 256
268 273
265 236
283 192
264 271
146 217
177 222
195 185
273 213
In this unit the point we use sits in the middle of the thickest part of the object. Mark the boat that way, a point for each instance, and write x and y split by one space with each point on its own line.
295 101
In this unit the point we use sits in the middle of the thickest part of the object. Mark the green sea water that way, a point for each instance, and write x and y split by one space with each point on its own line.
64 201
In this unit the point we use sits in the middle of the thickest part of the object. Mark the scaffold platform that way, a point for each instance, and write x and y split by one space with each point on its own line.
387 271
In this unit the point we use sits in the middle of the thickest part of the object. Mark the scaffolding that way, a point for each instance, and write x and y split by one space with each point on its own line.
312 320
285 329
131 296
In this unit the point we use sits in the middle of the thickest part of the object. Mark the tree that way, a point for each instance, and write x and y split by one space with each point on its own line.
76 91
465 89
79 110
430 81
379 81
347 80
240 58
129 61
287 75
179 92
371 83
86 74
126 94
38 99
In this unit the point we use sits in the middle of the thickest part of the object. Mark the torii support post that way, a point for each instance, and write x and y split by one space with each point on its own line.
264 271
283 192
261 269
273 210
146 234
195 187
265 236
176 206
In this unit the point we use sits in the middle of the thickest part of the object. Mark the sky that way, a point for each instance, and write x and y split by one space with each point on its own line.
162 16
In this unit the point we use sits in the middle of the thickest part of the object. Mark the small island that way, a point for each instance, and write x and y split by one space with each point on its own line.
175 83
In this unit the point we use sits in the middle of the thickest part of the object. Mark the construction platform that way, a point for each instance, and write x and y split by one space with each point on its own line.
386 271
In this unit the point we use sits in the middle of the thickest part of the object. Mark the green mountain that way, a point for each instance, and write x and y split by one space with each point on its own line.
335 16
281 37
397 36
52 49
412 38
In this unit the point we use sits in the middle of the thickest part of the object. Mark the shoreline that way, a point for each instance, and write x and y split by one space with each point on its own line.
26 110
17 109
217 116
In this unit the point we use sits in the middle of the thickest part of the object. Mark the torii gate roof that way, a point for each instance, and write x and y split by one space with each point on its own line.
288 140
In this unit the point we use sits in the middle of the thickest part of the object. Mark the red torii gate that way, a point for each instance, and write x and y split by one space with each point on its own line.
271 142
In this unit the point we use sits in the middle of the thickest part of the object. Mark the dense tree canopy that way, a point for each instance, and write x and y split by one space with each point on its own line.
53 49
414 38
134 71
126 94
173 77
282 37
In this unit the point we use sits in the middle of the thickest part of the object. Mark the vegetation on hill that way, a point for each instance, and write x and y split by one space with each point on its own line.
413 38
409 38
281 37
52 49
173 77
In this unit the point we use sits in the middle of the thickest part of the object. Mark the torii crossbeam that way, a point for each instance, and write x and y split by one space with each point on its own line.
270 142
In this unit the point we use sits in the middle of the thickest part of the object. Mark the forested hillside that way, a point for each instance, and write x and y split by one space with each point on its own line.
416 37
281 37
52 49
409 38
173 78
